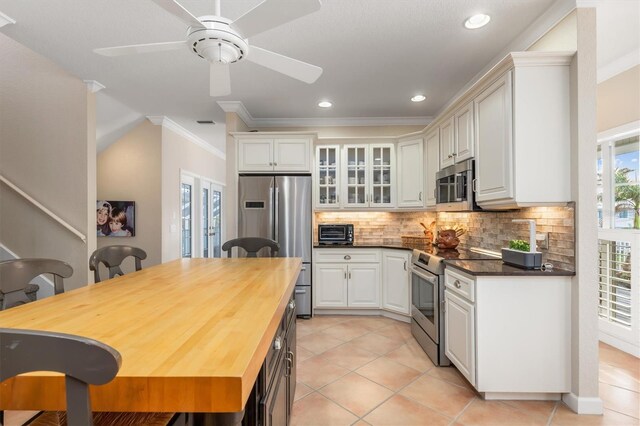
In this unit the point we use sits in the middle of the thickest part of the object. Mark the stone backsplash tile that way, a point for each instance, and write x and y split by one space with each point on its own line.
488 230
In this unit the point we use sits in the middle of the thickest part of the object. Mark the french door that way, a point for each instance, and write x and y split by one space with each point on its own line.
211 214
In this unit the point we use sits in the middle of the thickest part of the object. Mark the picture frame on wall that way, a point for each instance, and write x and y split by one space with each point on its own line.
115 218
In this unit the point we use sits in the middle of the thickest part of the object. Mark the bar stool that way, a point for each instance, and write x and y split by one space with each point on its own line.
16 276
112 257
252 245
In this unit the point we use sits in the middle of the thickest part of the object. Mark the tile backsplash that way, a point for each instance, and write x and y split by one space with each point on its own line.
488 230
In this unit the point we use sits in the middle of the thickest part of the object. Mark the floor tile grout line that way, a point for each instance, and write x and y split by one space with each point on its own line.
553 412
455 419
619 387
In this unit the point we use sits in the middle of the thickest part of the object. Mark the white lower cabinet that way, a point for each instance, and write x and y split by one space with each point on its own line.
510 336
459 329
333 290
359 278
363 285
395 278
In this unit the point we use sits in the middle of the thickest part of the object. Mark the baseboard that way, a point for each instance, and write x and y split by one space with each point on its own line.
583 405
522 396
618 343
45 284
374 312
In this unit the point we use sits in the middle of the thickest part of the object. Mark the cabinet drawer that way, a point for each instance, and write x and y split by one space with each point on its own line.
460 284
331 255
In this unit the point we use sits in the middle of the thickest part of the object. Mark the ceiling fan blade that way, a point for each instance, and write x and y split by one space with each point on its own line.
140 48
284 64
219 80
273 13
180 12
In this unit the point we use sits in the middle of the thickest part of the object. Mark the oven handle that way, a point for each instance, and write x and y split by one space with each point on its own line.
433 279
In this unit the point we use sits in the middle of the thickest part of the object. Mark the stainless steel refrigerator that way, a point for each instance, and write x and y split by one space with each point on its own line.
280 208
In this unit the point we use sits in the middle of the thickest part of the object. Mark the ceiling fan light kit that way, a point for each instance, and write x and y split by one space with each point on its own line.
221 41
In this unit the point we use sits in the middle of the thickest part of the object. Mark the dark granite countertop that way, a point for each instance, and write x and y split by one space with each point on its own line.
350 246
498 268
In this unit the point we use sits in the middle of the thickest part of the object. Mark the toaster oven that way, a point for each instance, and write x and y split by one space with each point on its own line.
335 234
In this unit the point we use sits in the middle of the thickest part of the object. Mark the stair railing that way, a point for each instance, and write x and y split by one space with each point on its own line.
36 203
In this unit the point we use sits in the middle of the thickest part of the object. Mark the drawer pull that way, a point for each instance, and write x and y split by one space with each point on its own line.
277 344
457 283
347 257
292 305
300 291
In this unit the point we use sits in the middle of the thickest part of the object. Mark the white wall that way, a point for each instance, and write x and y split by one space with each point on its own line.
47 148
178 154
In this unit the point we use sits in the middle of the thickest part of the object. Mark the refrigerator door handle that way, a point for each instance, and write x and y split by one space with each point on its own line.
271 197
277 210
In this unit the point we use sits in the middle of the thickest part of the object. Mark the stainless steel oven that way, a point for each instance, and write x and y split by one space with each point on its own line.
455 188
427 294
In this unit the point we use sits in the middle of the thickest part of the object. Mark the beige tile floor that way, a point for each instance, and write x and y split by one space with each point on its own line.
371 371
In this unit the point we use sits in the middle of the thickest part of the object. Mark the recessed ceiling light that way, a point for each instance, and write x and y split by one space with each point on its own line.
477 21
418 98
325 104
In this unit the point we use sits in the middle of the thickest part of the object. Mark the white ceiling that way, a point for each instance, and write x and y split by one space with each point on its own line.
375 54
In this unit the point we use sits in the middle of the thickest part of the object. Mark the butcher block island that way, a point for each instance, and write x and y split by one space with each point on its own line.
195 335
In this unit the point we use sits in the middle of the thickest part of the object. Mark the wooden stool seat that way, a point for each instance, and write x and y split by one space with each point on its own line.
101 418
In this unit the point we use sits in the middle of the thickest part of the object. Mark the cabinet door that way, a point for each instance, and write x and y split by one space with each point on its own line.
255 155
381 191
447 149
494 142
433 166
410 173
459 331
364 285
290 355
292 155
464 133
331 285
276 402
327 176
355 176
395 282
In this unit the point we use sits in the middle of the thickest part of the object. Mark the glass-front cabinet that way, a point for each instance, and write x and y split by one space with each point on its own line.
327 176
370 175
356 160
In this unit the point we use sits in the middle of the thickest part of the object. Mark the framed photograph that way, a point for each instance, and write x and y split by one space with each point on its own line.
115 218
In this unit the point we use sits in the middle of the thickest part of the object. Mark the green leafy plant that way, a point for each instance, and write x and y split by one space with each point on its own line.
520 245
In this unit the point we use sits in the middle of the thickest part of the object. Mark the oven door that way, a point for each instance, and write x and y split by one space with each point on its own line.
425 301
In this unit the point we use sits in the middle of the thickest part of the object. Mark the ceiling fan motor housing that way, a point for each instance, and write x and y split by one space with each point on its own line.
218 42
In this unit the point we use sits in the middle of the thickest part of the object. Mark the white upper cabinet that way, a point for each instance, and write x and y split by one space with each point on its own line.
523 134
494 165
410 173
432 166
368 172
447 142
327 176
274 154
464 137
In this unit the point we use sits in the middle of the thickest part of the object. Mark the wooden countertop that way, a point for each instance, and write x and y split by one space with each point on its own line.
193 334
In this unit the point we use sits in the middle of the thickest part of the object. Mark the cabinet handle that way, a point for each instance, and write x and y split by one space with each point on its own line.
275 164
420 196
454 154
347 257
337 198
345 275
292 305
277 344
474 185
289 368
457 283
270 163
444 306
450 156
405 265
349 274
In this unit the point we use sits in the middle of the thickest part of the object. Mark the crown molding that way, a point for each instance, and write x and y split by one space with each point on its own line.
93 86
166 122
5 20
239 108
618 66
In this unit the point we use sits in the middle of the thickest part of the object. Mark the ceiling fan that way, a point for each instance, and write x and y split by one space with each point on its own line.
222 41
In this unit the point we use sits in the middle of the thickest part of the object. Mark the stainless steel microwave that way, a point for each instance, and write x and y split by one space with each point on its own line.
454 188
335 234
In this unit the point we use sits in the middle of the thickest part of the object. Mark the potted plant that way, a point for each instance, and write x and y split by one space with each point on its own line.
521 253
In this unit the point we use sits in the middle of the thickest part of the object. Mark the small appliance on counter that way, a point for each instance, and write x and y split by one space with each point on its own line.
331 234
522 254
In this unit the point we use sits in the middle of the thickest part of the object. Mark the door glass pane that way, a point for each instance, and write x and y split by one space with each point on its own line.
186 220
626 182
216 223
205 222
600 188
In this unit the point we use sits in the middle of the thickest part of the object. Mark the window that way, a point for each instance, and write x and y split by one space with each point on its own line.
618 174
186 197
